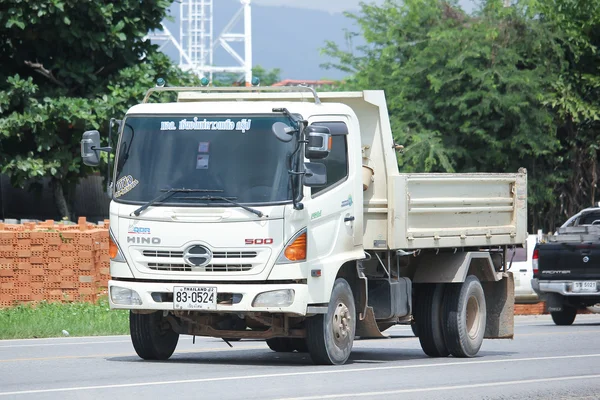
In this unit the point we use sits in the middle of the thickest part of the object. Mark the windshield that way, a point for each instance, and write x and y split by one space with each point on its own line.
230 156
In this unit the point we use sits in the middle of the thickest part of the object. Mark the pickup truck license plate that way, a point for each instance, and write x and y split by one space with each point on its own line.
585 286
194 298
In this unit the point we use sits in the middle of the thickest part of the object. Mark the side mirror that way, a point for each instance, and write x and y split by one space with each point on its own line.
90 145
319 142
283 131
315 174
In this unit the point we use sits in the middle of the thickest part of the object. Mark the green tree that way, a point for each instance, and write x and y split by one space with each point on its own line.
575 101
503 88
67 66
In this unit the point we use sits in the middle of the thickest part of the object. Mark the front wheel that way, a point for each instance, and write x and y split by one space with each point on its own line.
564 317
152 336
329 337
464 317
281 345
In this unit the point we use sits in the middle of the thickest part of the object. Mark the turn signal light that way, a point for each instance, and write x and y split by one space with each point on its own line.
296 251
113 249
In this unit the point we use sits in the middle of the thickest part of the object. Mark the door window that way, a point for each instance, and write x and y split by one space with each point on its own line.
337 161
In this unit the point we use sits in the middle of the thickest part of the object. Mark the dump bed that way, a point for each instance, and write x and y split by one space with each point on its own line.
458 210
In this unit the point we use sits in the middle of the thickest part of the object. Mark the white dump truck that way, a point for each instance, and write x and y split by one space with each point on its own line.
280 214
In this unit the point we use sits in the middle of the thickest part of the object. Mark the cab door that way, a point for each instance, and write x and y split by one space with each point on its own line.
335 209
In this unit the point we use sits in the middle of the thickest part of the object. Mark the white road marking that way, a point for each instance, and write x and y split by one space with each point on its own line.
440 388
198 350
320 371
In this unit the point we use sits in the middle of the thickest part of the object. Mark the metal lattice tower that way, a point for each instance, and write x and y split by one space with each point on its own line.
196 44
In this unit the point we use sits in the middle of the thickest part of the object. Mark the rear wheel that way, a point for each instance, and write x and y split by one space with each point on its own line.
464 317
329 337
152 336
429 320
564 317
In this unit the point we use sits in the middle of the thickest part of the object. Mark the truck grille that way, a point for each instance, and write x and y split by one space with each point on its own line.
208 268
216 254
222 261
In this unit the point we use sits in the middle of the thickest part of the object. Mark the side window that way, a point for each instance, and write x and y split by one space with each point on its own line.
337 161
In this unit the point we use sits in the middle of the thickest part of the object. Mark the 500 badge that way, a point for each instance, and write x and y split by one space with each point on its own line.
125 185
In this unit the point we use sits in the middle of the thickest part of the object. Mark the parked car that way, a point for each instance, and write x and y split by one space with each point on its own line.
522 269
566 269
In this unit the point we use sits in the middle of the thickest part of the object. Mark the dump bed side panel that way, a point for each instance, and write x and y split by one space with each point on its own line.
457 210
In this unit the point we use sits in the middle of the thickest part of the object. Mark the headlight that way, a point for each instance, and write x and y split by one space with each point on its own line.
124 296
275 298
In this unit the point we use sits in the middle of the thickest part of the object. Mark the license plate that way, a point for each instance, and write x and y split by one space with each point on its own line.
194 298
589 286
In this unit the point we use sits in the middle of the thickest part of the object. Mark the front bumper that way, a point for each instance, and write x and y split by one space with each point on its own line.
561 287
158 296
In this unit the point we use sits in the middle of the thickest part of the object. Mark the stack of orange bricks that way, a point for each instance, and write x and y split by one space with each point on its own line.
53 262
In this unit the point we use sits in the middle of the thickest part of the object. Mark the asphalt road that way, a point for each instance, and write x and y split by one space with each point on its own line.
543 361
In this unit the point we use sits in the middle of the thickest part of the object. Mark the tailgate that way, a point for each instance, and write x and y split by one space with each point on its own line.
568 261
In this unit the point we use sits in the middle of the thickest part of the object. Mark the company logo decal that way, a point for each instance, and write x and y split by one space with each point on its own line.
138 229
348 202
125 185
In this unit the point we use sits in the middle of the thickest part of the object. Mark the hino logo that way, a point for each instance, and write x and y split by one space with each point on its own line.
556 272
143 240
197 256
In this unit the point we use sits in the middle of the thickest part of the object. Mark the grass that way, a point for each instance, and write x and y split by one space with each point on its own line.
50 319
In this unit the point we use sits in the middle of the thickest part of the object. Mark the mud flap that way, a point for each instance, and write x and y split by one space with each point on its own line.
554 302
500 306
367 327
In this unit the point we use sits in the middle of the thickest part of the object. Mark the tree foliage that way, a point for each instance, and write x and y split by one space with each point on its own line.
67 66
503 88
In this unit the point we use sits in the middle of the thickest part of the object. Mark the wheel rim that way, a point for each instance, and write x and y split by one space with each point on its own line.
341 323
473 317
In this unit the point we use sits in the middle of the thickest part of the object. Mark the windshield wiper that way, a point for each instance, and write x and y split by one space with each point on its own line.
170 192
229 200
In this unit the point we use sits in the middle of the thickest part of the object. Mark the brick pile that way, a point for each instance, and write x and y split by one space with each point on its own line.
531 309
53 262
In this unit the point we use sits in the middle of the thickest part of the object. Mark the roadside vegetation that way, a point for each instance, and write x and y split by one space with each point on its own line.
507 85
51 319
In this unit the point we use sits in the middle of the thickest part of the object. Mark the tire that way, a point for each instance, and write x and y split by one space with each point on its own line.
564 317
429 324
329 337
415 329
464 317
152 336
281 345
300 345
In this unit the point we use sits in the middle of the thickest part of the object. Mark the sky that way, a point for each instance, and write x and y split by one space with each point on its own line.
323 5
277 42
335 6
